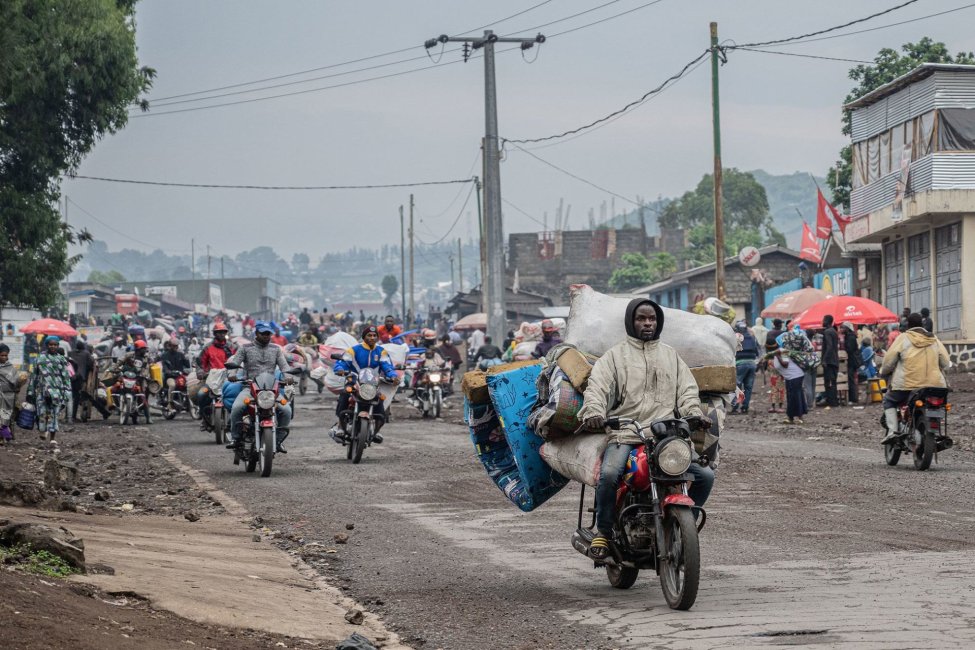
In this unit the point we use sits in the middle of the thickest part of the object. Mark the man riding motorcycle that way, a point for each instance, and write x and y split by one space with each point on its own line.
550 338
643 379
213 356
255 358
389 330
367 354
307 338
916 359
174 363
139 353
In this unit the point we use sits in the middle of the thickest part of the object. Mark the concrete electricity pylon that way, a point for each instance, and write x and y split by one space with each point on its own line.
492 286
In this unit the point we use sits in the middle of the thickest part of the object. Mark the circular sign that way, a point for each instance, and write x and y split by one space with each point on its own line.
749 256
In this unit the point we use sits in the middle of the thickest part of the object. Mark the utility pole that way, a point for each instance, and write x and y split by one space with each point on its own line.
412 286
223 286
481 243
453 285
492 286
193 261
402 267
718 216
460 266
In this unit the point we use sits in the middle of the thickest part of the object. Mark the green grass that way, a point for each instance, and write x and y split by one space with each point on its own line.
43 563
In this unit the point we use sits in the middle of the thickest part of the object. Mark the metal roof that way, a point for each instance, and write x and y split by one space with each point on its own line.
922 71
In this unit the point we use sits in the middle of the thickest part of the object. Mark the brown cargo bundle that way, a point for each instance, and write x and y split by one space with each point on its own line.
715 379
474 383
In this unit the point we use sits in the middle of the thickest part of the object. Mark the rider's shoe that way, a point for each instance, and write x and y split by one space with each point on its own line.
377 438
280 449
336 434
890 437
236 444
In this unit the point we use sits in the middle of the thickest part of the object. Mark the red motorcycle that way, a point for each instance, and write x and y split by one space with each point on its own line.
259 423
174 398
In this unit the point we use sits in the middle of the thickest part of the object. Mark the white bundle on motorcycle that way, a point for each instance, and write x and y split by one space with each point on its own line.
705 343
524 350
334 383
505 445
397 353
576 457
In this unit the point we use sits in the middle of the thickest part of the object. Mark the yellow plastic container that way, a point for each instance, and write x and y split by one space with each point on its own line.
876 387
155 371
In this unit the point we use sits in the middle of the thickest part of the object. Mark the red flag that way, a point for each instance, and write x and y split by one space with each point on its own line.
824 212
809 250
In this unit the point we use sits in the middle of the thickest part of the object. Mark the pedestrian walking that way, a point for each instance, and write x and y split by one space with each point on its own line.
926 321
745 361
831 361
853 361
793 374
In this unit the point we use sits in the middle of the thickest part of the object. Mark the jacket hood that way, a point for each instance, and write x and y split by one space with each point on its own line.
920 337
631 312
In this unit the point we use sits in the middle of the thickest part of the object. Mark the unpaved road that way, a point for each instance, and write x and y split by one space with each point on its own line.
811 540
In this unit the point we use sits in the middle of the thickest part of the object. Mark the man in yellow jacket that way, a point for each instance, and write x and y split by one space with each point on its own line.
916 359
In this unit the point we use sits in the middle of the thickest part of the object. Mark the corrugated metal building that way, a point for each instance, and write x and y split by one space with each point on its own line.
914 193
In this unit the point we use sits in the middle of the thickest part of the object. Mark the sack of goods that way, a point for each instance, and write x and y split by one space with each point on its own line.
705 343
504 443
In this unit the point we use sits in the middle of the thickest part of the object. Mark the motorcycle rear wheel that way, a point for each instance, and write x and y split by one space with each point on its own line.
621 577
680 572
218 425
924 452
169 411
265 454
194 409
437 405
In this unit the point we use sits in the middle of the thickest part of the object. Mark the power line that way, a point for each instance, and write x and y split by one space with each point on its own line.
603 20
804 56
830 29
512 205
879 27
578 178
673 78
338 65
456 221
116 230
273 187
562 20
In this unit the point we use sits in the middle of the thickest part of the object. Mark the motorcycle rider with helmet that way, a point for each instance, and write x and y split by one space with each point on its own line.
643 379
367 354
139 353
550 338
213 356
254 359
174 363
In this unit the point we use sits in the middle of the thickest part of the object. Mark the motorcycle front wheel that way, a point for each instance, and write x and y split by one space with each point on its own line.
621 577
358 443
169 410
892 453
216 421
924 452
194 409
437 404
680 571
265 454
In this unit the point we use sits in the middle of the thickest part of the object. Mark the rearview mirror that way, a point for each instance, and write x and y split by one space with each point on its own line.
338 356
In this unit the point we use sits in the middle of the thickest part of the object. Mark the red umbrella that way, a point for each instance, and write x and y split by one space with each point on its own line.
795 302
49 327
859 311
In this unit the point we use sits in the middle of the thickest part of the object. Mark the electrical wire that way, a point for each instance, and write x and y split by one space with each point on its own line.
804 56
112 228
460 192
673 78
603 20
272 187
341 64
578 178
830 29
512 205
456 221
562 20
879 27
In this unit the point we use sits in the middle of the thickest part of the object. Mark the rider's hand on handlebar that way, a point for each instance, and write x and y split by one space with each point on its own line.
595 422
705 422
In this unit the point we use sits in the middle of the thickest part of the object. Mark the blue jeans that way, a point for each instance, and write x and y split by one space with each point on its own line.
745 376
610 472
237 417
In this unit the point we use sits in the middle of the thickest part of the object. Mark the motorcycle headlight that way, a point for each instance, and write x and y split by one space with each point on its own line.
265 399
367 392
674 456
435 377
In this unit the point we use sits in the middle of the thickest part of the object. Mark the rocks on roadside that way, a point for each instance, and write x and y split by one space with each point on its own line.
355 616
103 495
191 516
350 526
341 538
60 475
356 642
57 541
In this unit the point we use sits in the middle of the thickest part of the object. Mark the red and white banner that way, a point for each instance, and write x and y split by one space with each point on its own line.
809 250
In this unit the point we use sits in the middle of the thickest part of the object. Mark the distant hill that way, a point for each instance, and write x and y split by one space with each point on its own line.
785 192
788 192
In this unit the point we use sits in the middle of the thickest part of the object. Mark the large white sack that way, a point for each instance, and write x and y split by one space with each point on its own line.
576 457
397 352
596 325
342 340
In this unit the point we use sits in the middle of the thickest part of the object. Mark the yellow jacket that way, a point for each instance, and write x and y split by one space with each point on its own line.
916 358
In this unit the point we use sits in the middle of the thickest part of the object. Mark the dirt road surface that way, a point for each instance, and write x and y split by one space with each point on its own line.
811 539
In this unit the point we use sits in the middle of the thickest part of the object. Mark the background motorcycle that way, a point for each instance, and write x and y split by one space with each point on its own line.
654 527
922 426
214 415
174 397
366 413
129 397
428 390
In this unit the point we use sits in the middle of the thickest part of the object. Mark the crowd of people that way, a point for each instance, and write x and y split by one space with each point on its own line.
790 360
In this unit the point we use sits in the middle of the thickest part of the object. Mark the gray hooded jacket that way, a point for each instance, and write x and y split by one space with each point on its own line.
642 380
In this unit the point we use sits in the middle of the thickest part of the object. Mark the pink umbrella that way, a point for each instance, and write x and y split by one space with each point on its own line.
477 321
49 327
795 302
857 310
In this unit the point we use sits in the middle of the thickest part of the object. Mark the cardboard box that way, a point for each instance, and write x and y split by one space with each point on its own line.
577 366
474 383
715 379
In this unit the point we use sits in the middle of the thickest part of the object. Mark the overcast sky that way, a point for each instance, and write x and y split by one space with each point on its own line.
779 113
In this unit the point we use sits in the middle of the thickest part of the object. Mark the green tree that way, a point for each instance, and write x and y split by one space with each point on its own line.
109 278
69 75
637 270
887 66
747 221
390 285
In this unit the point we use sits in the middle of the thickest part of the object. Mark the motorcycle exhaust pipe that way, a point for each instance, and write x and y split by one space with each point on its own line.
581 539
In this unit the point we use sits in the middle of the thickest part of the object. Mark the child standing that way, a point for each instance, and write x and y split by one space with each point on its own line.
793 375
